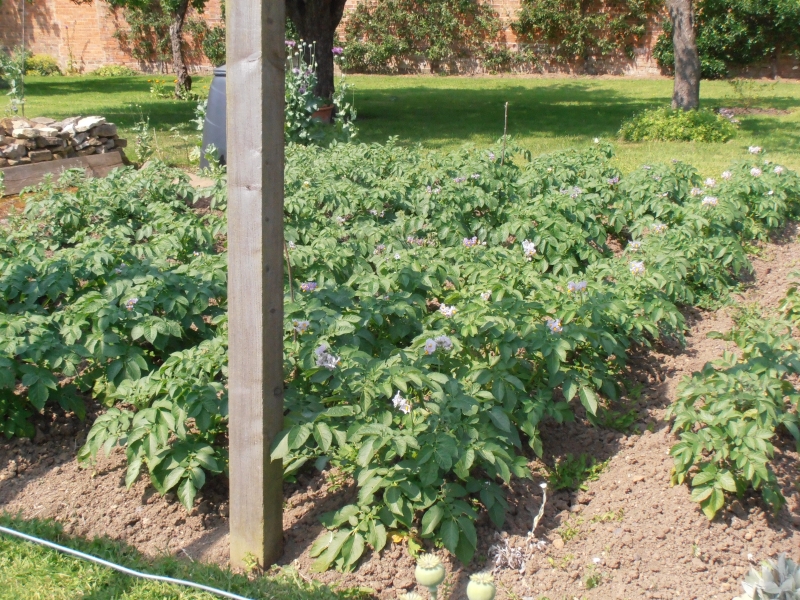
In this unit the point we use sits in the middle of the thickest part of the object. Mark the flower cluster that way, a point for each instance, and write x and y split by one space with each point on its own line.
711 182
401 404
726 175
308 286
375 213
696 191
778 170
486 296
576 286
379 249
470 242
131 304
459 179
337 50
529 248
433 190
634 246
659 227
613 181
341 220
576 191
416 241
710 201
754 149
554 325
325 358
448 311
756 172
300 326
476 175
637 267
439 342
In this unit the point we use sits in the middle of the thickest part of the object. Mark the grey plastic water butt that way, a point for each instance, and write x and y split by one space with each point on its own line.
214 127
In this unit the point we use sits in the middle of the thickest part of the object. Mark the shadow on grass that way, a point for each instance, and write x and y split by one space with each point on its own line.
24 560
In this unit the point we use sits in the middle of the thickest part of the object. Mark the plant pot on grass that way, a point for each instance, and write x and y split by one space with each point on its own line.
324 114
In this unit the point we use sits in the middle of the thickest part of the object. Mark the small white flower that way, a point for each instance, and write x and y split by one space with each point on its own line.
710 201
637 267
131 304
659 227
379 249
291 246
754 149
430 346
486 296
778 170
529 248
596 140
448 311
711 182
401 403
325 358
727 175
696 191
397 257
301 326
755 172
576 286
341 220
554 325
771 192
443 342
634 246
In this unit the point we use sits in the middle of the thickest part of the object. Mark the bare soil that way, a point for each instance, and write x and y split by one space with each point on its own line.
629 535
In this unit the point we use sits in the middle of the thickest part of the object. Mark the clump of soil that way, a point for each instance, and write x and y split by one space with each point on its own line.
629 534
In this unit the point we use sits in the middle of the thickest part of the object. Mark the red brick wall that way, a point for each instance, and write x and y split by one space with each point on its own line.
62 27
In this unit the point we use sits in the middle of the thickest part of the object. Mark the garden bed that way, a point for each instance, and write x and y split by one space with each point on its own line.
652 541
447 317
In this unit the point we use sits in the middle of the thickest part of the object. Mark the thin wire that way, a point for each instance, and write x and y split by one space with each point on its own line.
119 568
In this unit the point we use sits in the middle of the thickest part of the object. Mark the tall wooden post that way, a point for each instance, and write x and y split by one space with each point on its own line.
255 100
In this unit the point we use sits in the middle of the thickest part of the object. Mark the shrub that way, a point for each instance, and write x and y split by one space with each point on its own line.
576 30
675 125
214 45
664 53
42 64
114 71
442 308
391 34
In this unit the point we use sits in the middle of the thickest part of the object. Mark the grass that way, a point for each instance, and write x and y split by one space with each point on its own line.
33 572
545 114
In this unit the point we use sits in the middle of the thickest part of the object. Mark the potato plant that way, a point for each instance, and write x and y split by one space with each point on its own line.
441 307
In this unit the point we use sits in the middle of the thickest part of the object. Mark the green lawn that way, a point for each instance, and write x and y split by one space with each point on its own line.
545 114
31 572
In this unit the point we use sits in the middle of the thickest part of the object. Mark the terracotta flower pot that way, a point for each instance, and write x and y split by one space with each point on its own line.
324 114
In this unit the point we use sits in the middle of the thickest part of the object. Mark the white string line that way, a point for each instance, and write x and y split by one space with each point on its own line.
120 568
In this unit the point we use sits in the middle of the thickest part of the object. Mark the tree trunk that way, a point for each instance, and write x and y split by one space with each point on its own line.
183 82
316 21
686 94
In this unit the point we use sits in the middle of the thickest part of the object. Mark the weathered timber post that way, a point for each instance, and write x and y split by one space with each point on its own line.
255 100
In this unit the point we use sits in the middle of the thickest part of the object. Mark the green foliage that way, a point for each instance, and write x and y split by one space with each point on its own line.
122 295
573 472
729 413
300 124
418 361
213 45
393 34
12 72
32 571
668 124
114 71
737 33
576 29
42 64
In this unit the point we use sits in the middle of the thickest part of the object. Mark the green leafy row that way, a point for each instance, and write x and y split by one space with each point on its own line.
730 413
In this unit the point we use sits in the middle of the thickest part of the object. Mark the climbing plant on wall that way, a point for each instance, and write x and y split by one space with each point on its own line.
381 36
585 29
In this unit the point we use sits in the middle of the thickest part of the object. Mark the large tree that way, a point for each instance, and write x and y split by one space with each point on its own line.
148 20
686 93
316 22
